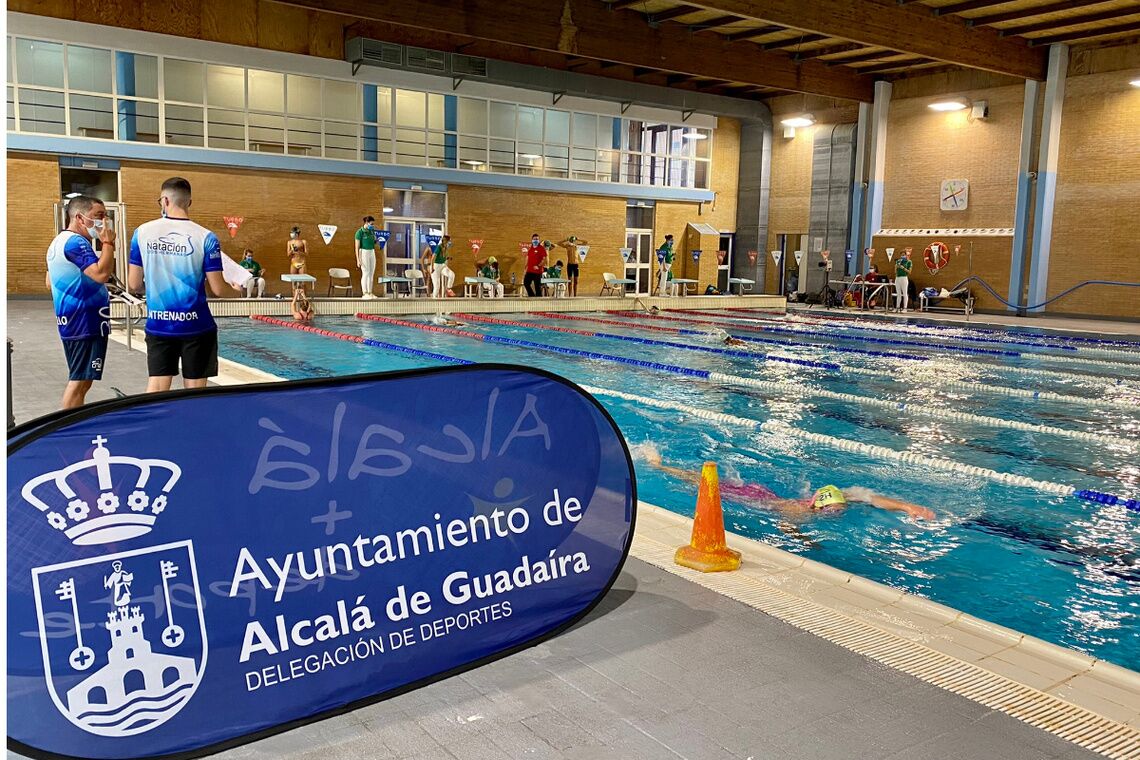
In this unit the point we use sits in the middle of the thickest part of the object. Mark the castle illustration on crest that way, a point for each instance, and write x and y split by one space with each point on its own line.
81 499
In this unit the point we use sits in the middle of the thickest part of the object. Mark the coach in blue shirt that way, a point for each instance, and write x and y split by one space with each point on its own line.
76 277
175 257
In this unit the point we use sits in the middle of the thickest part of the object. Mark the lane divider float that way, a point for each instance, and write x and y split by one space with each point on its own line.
360 339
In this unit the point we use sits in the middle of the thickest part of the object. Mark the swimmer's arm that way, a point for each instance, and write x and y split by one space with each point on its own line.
867 496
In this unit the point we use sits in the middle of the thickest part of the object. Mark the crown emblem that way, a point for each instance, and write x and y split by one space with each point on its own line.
105 498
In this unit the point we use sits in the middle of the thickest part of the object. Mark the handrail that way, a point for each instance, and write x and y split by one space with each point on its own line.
1043 304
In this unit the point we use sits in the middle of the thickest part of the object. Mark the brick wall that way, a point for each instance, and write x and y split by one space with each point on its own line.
790 198
1096 227
504 218
270 203
33 189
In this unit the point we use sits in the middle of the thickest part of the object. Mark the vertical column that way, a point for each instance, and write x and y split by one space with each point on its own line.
125 84
858 191
370 112
1047 175
1024 191
450 123
877 169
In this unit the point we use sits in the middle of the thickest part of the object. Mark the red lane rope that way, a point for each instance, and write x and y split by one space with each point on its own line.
307 328
421 326
556 315
517 323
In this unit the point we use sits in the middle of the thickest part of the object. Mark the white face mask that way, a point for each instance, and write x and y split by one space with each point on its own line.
293 235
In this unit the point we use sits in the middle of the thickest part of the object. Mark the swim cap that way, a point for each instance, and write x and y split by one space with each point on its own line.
492 260
828 496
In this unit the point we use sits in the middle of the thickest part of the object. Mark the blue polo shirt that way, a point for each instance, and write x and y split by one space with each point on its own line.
175 255
82 306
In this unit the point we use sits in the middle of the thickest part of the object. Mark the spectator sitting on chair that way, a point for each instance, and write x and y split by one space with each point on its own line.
257 280
490 270
553 273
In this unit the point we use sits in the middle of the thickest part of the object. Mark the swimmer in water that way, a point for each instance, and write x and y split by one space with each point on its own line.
826 500
445 321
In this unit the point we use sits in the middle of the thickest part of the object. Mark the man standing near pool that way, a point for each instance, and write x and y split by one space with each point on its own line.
902 281
573 260
366 255
665 263
175 257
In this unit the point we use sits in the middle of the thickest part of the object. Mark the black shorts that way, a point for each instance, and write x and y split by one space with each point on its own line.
198 354
571 270
85 358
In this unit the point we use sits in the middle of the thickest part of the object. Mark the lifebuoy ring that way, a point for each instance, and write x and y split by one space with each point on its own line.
936 256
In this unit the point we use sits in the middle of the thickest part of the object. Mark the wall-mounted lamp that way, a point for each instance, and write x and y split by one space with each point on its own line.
802 120
1135 83
950 104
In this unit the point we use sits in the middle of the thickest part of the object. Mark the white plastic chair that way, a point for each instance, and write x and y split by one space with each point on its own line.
337 273
417 277
614 285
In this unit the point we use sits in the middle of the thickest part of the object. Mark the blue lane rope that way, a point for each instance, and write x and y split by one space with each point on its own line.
1106 498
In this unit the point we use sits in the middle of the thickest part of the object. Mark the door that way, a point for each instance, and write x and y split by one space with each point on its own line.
117 218
641 262
724 268
791 279
400 250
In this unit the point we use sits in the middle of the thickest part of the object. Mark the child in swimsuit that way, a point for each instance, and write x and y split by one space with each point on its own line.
297 251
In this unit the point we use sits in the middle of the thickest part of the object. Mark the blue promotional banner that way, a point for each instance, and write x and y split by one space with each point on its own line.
382 237
433 240
190 571
696 255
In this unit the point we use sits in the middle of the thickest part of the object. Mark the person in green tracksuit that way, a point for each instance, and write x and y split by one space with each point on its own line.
442 278
664 265
902 281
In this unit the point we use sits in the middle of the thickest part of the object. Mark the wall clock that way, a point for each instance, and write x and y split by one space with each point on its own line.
955 194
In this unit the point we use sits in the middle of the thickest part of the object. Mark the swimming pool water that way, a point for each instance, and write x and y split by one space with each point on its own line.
1062 569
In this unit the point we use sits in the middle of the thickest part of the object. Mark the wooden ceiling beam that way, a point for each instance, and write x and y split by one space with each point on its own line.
1040 10
759 31
848 47
587 29
618 5
803 39
883 23
1083 34
871 55
966 5
714 23
671 13
1062 23
892 65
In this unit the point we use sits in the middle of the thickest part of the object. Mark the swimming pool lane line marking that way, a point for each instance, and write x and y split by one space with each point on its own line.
928 346
972 387
779 427
809 391
682 331
773 426
918 328
647 341
849 324
359 339
1050 374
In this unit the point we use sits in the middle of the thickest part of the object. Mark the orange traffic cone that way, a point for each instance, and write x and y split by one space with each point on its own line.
707 551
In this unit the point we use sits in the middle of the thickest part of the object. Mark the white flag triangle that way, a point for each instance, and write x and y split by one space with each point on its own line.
327 232
799 257
777 255
890 254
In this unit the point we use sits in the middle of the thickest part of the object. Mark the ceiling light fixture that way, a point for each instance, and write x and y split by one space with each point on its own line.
471 162
1135 83
693 136
952 104
388 209
803 120
73 195
530 156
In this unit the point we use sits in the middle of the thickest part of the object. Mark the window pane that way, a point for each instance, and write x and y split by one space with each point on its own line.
503 120
304 136
438 116
342 100
638 218
530 159
473 153
441 150
184 125
633 135
503 156
39 63
585 130
702 173
410 109
304 95
415 203
702 148
653 171
266 132
530 123
10 63
582 165
680 172
607 138
609 165
137 75
183 80
91 116
376 144
225 86
558 127
383 105
11 109
138 121
41 111
88 69
631 167
678 144
410 146
557 160
341 139
266 92
226 129
473 116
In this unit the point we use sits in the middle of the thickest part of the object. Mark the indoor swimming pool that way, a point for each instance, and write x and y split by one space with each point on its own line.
1025 443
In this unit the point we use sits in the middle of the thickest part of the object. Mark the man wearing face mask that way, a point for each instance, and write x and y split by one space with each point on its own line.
442 278
76 277
535 266
366 256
